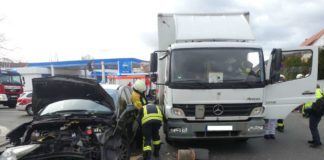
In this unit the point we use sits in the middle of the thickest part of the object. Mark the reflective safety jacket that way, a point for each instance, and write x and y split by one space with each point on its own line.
150 113
138 99
318 93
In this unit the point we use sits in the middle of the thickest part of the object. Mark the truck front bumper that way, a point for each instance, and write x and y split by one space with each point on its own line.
182 129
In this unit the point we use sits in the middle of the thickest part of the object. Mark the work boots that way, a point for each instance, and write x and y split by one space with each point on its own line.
147 155
156 152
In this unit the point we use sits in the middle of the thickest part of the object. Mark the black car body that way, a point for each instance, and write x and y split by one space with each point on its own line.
76 119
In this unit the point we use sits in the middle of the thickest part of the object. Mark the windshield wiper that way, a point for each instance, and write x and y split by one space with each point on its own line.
193 82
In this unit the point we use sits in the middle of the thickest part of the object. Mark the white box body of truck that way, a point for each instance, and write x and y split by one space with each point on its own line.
213 81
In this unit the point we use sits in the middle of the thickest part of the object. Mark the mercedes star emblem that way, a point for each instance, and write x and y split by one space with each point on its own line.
218 110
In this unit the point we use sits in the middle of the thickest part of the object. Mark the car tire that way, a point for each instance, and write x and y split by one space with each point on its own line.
29 110
124 150
120 152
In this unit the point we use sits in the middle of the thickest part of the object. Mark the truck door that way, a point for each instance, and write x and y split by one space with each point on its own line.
292 78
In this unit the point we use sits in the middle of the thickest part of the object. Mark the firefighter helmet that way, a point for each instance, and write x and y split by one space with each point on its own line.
139 86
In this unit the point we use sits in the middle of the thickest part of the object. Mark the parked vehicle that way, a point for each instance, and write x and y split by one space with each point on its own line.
213 81
11 86
76 119
24 103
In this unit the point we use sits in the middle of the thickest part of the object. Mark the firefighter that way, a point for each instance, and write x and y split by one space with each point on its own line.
314 119
138 95
305 109
280 125
139 100
150 117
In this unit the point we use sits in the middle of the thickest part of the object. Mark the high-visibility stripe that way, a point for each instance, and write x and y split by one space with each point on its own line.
151 116
147 148
144 101
145 111
156 142
144 120
280 124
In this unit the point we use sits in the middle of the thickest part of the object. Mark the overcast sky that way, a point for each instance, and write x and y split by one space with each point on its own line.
44 30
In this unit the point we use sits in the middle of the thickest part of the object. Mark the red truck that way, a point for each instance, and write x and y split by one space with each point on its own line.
11 86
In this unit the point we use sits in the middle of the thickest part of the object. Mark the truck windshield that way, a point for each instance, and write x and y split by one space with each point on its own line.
10 79
217 67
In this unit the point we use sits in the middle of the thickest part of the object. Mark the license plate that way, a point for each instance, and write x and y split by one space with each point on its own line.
219 128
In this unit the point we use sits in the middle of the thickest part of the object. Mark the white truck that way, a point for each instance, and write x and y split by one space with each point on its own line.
213 81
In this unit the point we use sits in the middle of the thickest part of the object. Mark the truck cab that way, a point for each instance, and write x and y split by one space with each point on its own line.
11 86
212 79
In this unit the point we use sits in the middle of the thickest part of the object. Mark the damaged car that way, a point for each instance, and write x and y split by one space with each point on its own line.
75 119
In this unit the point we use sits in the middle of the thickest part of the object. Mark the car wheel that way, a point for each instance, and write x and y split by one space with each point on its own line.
124 150
117 149
29 110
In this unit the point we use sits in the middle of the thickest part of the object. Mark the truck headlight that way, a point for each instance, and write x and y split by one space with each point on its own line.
257 111
177 112
3 97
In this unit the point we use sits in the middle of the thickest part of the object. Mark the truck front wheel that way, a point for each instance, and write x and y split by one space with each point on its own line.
242 140
12 104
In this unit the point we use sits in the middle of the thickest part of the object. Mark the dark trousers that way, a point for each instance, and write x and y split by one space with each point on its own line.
150 132
314 120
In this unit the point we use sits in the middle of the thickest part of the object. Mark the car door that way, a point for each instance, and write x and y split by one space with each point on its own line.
287 89
132 118
127 119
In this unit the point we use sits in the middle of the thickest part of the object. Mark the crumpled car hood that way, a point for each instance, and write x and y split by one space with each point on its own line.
53 89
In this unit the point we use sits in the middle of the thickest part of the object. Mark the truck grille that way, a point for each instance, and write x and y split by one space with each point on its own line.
229 109
218 134
12 90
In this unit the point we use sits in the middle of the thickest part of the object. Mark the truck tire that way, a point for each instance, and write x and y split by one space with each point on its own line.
12 104
242 140
29 110
169 141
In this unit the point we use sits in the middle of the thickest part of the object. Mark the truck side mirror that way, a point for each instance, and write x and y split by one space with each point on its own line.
23 80
276 55
153 77
153 63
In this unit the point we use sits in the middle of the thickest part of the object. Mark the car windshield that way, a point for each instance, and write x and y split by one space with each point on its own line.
216 65
80 106
9 79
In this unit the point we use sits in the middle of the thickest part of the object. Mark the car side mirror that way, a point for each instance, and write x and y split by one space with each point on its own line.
129 109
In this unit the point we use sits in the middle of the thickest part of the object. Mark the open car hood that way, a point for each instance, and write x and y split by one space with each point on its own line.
53 89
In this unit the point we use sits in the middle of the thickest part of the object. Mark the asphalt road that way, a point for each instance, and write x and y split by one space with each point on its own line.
290 145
